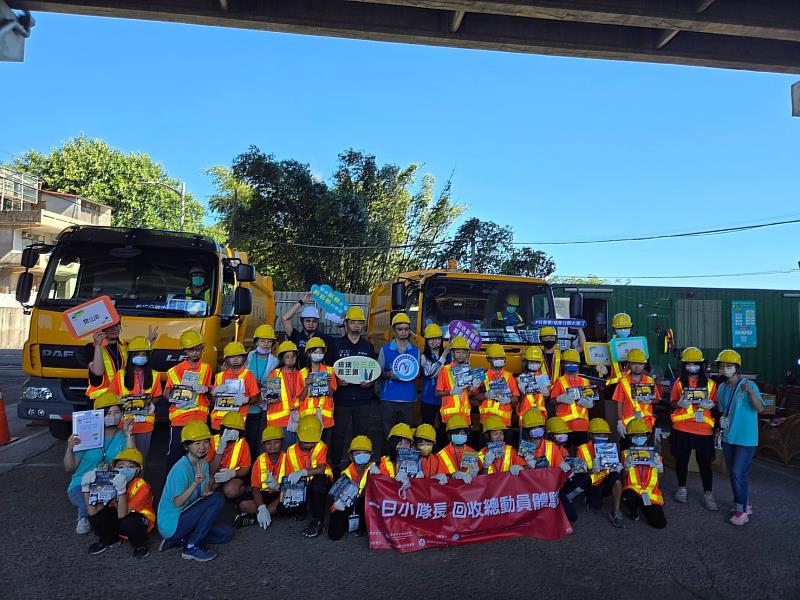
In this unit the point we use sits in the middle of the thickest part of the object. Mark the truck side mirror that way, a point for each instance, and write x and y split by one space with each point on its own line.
245 273
243 301
24 287
398 296
30 256
576 305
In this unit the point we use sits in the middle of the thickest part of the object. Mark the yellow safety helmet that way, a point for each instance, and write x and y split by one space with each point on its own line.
425 432
570 355
730 356
401 430
191 339
534 354
459 343
692 355
493 423
495 351
598 425
432 331
533 417
131 454
233 420
233 349
106 400
309 430
556 425
621 321
638 426
195 431
457 422
286 346
139 344
636 355
361 443
315 342
547 330
355 313
264 332
512 299
272 432
401 318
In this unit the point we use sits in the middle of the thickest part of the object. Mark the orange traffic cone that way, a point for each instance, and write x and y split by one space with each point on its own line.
5 434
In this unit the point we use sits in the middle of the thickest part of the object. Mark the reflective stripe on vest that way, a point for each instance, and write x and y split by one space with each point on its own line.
454 404
688 414
556 364
233 463
570 412
629 409
507 450
492 407
293 456
448 460
617 373
109 370
206 295
352 474
586 452
387 466
547 450
265 470
278 412
123 392
174 412
651 489
310 404
219 380
134 488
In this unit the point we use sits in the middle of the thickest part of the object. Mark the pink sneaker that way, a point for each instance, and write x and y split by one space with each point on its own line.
739 518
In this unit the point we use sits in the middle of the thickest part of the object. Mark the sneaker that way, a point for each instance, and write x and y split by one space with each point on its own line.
710 503
244 520
681 494
749 511
615 518
166 545
632 512
98 548
84 526
141 552
198 554
313 529
739 518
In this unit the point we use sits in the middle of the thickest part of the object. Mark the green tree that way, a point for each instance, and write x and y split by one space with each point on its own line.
486 247
93 169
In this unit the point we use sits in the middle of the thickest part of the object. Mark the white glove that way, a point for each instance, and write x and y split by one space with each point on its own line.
586 403
488 458
531 462
617 468
199 388
401 476
684 402
515 469
224 475
659 467
271 482
120 483
465 477
544 390
240 399
565 399
706 404
419 475
440 477
456 390
602 370
296 476
339 505
87 480
565 466
405 482
229 435
621 429
374 470
523 387
294 421
263 517
596 467
646 399
184 405
628 464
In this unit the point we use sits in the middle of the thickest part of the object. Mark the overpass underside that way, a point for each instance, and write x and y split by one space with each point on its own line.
759 35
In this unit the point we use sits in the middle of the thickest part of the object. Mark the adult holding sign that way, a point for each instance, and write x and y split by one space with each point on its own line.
309 321
398 391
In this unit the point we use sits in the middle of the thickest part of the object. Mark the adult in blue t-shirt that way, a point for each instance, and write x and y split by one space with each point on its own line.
398 397
739 405
189 505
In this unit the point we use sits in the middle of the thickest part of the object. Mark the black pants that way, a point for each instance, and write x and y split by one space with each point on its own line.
345 417
597 492
253 426
572 488
318 496
340 520
174 449
653 514
109 527
681 445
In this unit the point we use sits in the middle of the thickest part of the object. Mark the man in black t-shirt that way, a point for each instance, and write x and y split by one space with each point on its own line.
309 319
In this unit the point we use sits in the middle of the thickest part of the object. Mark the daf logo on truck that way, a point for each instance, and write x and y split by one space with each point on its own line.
58 353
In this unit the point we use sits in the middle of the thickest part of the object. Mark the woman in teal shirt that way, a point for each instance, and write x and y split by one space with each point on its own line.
739 405
80 463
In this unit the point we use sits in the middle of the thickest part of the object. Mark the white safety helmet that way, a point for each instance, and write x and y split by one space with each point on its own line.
309 312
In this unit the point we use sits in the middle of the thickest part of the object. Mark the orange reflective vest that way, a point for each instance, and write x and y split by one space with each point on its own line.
140 426
571 412
586 454
109 370
690 414
556 372
217 415
387 467
450 458
508 457
278 412
233 463
179 417
456 404
297 460
351 472
492 407
310 404
529 401
551 452
647 484
631 409
140 500
265 467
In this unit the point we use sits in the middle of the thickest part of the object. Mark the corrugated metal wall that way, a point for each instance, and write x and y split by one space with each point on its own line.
703 317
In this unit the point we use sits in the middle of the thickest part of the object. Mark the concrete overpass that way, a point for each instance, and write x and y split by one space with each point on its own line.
759 35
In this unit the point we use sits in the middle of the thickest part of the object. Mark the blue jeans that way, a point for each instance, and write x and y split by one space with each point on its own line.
76 498
739 458
196 524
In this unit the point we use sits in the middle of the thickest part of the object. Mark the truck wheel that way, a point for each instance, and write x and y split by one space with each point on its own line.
60 430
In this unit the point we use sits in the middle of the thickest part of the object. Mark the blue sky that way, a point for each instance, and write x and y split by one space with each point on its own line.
558 148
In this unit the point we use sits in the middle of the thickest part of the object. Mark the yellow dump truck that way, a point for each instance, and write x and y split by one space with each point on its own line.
146 275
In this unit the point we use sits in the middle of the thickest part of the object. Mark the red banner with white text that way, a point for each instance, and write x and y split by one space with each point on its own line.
492 507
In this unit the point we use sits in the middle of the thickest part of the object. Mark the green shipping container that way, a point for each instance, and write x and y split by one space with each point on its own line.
762 325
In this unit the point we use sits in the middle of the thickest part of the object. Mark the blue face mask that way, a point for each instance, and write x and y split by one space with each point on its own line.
600 439
639 440
128 472
511 309
361 459
623 333
459 439
139 361
198 280
571 368
537 432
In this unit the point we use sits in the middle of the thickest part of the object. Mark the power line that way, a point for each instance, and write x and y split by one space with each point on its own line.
775 272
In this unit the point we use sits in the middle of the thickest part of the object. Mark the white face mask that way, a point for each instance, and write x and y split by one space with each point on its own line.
498 363
317 356
693 369
534 366
111 420
728 371
623 333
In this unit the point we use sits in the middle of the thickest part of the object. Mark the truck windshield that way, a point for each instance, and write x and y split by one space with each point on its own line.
140 279
485 304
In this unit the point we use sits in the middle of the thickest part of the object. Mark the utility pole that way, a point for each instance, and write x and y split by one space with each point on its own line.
472 255
183 202
180 191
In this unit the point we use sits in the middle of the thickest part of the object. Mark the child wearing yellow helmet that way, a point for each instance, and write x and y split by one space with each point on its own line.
452 385
347 516
434 356
429 465
235 387
284 411
642 472
635 393
264 499
498 456
229 456
605 479
498 393
574 412
533 383
261 361
316 398
450 457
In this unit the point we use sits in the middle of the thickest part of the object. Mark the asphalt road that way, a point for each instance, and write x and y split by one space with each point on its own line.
698 555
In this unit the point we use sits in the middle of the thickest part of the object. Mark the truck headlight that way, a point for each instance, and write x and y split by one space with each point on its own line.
37 393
